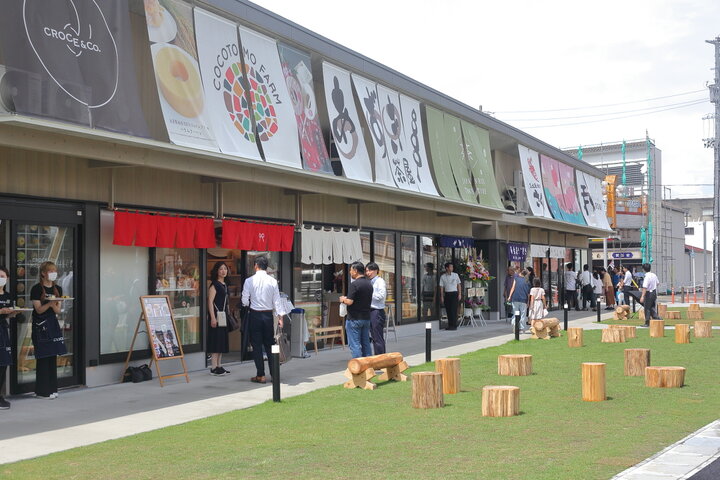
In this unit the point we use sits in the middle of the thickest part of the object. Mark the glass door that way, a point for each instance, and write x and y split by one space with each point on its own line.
31 245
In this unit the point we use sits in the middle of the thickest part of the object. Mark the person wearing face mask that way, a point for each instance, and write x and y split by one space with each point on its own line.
47 337
6 312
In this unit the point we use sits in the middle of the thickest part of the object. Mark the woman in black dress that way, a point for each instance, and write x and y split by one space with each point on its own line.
6 312
217 342
47 337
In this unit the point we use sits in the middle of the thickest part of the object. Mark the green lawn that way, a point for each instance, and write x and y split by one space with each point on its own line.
709 313
340 433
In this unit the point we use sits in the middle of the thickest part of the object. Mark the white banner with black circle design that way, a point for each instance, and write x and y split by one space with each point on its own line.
589 191
402 171
415 144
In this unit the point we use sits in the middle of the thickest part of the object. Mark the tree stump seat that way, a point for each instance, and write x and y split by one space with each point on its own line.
450 369
427 390
703 329
517 365
657 328
613 335
636 359
672 315
575 337
500 401
682 333
664 377
593 382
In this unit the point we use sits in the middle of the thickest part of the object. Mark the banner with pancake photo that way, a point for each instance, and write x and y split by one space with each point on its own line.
530 164
71 61
272 108
297 69
224 80
177 73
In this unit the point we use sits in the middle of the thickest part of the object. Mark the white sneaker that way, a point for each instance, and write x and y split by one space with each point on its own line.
54 395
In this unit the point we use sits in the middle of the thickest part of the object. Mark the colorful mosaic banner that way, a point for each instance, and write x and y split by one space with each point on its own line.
561 198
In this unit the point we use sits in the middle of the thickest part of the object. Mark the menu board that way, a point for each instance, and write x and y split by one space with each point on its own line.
161 326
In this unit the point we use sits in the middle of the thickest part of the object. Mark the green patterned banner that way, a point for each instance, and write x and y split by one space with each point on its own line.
477 146
438 153
456 153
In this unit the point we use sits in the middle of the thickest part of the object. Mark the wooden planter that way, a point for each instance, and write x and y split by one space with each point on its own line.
613 335
427 390
500 401
657 328
703 329
450 370
636 359
682 333
664 377
575 337
593 382
515 365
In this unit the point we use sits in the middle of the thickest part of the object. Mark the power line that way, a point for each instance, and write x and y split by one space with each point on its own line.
602 106
613 118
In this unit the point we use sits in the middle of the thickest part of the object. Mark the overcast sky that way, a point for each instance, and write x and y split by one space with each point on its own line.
527 55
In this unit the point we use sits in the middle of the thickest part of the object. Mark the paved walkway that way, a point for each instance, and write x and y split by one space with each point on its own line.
84 416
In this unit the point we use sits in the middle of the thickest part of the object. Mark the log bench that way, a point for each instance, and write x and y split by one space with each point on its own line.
545 328
327 333
361 370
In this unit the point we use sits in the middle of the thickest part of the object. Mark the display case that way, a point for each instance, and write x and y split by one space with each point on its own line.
177 275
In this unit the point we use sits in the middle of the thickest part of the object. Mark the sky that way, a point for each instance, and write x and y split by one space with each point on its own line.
554 58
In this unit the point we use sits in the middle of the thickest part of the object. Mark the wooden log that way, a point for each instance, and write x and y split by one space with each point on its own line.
450 369
664 377
626 308
672 315
593 382
376 362
657 328
613 335
662 309
694 307
427 390
394 373
500 401
682 333
575 337
545 328
630 330
703 329
695 315
636 359
518 365
360 380
620 310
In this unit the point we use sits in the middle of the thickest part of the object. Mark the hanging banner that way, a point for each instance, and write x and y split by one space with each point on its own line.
228 106
72 61
558 252
368 96
538 251
456 153
517 252
477 148
589 190
440 162
296 67
530 163
275 123
345 124
559 200
415 144
177 73
571 208
402 168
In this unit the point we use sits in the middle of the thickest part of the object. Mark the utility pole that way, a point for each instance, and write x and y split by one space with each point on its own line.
715 98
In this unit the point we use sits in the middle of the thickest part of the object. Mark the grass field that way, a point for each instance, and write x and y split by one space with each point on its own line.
340 433
709 313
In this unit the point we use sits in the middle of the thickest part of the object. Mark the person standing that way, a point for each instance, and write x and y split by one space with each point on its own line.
217 336
260 293
625 284
377 307
586 288
608 289
6 311
519 297
537 302
648 298
450 294
531 276
571 287
428 291
47 337
597 289
358 300
509 279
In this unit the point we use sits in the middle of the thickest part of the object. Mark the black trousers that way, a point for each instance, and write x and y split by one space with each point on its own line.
261 335
651 307
3 372
377 330
451 307
46 376
571 299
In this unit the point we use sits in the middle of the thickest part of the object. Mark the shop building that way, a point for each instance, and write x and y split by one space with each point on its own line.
77 156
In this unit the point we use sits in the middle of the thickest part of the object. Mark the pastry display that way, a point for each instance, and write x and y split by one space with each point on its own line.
179 81
21 256
21 302
21 271
20 241
20 288
153 13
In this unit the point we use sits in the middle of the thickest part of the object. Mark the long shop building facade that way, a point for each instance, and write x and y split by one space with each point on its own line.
127 208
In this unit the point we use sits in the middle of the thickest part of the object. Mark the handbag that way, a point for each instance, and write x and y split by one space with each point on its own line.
134 375
146 372
545 312
232 323
281 338
221 316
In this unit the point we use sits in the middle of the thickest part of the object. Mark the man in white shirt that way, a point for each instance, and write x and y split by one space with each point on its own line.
648 298
586 288
260 293
377 307
450 294
626 284
571 287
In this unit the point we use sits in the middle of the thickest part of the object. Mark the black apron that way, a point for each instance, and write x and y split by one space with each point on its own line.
5 348
47 337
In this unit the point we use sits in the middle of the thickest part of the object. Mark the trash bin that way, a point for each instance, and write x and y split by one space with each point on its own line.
299 334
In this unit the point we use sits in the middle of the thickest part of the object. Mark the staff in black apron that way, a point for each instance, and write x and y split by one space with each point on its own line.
47 337
6 311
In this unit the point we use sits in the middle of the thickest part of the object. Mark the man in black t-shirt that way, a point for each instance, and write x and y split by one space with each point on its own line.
358 301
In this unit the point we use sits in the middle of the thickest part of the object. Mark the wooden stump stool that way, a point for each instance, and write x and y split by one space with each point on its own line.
427 390
703 329
613 335
636 359
672 315
694 307
664 377
515 365
657 328
630 330
575 337
695 315
682 333
593 382
500 401
450 369
662 309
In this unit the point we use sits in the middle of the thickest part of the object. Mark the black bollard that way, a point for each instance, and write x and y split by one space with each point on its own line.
276 372
598 310
517 324
565 314
633 298
428 336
